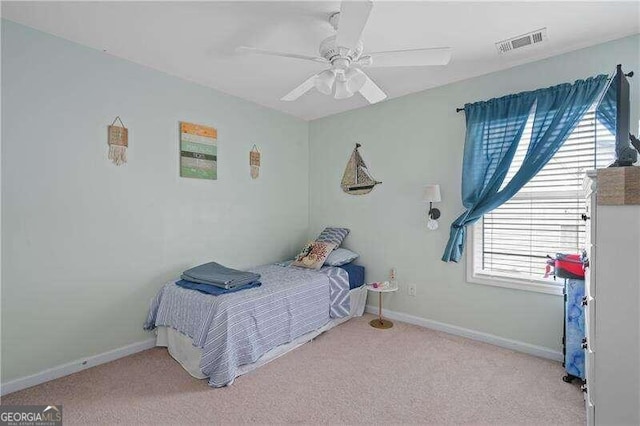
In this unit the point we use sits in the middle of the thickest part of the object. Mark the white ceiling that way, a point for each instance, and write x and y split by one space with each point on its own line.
197 40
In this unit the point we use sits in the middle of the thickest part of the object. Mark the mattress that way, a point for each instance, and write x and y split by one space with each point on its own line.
181 347
238 328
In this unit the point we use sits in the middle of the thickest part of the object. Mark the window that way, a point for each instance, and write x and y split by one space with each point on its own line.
510 244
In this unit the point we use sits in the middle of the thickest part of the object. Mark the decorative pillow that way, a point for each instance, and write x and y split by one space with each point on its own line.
313 255
341 256
333 235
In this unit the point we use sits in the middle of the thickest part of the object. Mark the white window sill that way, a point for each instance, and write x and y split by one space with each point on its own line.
537 286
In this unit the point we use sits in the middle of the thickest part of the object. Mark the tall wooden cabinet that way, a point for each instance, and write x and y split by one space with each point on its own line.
612 315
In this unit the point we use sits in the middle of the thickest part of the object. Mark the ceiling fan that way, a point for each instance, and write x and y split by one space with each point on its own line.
344 54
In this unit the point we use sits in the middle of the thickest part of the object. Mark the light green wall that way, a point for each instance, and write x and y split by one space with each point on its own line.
86 244
418 139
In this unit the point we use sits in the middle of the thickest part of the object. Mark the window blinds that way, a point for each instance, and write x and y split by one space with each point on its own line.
544 218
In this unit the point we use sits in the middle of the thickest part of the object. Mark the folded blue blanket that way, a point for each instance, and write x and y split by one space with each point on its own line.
213 273
215 290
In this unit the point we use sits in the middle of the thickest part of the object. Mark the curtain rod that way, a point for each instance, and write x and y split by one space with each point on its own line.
629 74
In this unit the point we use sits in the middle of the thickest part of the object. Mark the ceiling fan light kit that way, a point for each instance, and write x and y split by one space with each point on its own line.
342 90
324 81
355 79
344 54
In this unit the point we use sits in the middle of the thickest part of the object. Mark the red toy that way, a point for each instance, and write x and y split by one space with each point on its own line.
565 266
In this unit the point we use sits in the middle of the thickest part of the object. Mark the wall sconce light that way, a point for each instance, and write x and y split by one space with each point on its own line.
432 195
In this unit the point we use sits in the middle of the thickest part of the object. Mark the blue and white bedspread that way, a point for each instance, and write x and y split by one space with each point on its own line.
238 328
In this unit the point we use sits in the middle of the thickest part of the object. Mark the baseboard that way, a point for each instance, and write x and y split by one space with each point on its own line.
515 345
82 364
75 366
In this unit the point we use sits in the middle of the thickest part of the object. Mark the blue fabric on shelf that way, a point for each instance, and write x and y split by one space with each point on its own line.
494 129
356 274
574 327
215 290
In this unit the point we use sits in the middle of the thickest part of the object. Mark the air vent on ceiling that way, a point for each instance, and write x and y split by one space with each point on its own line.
530 39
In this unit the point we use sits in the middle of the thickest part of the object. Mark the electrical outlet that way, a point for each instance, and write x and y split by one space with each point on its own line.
412 289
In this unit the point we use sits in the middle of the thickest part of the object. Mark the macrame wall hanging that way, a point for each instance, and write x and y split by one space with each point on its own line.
118 142
254 162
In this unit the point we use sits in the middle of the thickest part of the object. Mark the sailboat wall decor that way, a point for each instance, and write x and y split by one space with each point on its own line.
356 179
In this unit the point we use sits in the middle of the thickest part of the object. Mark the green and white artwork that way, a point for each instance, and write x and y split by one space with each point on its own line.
198 151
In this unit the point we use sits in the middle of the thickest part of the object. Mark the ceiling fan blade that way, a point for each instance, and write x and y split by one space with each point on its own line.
353 18
307 85
372 92
255 50
411 57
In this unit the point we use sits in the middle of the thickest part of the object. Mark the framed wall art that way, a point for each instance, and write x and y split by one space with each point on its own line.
198 151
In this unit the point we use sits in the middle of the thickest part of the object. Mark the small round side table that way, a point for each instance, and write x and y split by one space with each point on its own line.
381 322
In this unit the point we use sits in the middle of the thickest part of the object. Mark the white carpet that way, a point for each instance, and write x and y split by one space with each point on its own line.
406 374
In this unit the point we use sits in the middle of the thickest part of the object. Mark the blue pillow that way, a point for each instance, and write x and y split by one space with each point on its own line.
333 235
341 256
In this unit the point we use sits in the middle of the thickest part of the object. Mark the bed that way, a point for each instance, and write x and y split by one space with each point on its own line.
223 337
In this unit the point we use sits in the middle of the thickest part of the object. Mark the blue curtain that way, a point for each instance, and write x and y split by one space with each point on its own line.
494 129
608 109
